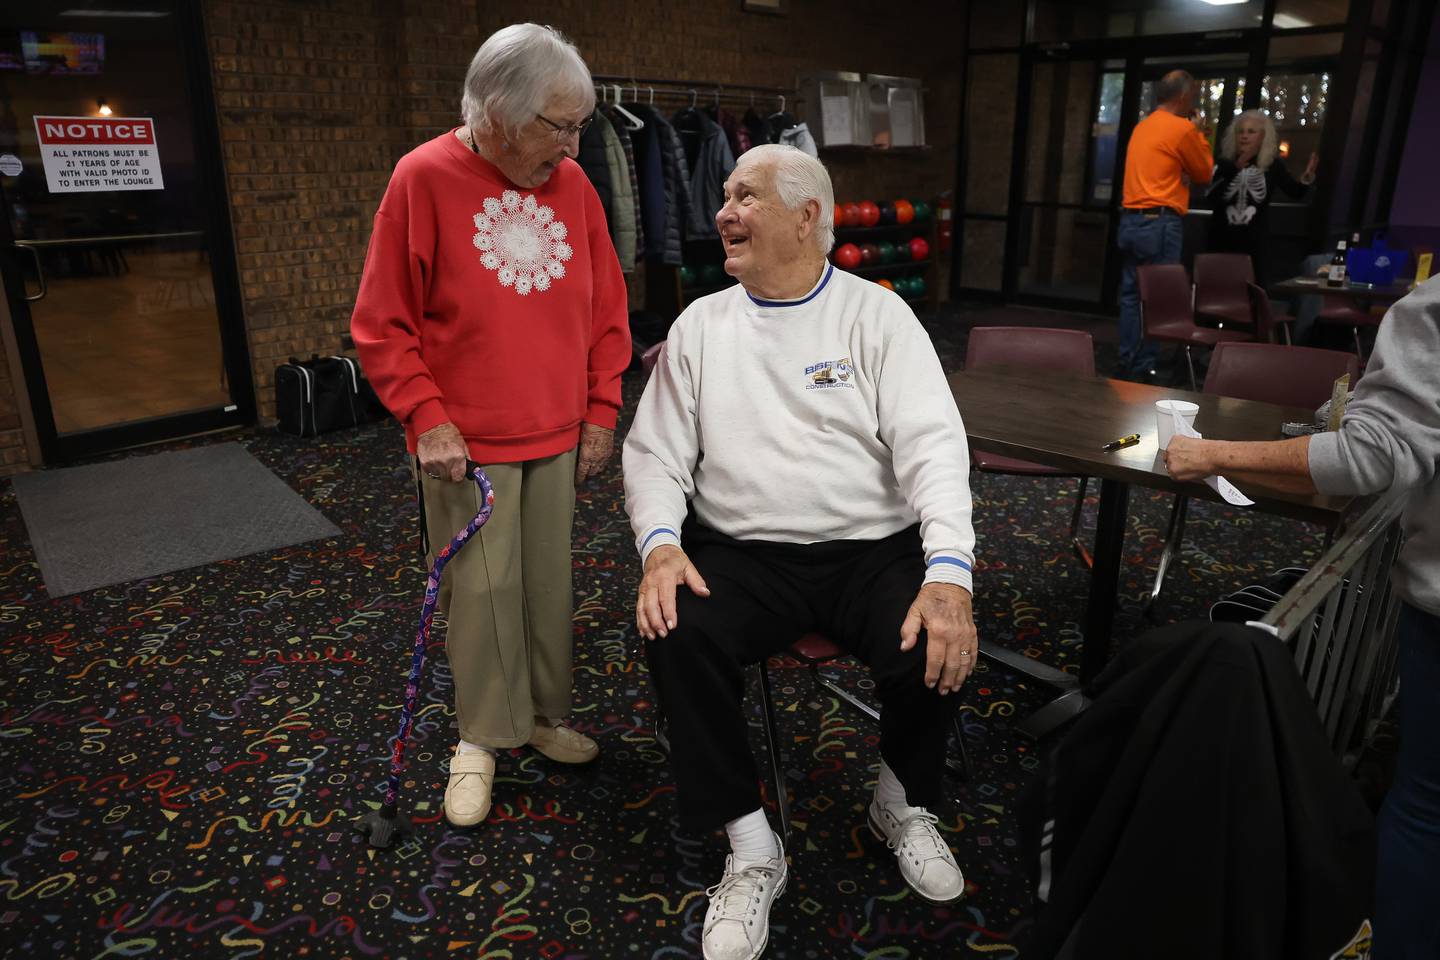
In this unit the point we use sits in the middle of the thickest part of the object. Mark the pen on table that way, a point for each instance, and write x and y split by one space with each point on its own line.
1122 442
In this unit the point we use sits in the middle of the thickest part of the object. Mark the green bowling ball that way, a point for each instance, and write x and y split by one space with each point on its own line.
687 276
922 211
711 274
887 251
917 286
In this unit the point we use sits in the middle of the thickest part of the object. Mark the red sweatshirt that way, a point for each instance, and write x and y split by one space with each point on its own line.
499 309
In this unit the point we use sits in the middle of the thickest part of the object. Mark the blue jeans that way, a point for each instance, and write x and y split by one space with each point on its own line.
1407 921
1142 240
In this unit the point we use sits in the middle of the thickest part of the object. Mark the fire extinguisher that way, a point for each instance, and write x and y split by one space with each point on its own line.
946 224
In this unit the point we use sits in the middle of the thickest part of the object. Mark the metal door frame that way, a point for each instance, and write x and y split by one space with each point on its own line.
39 426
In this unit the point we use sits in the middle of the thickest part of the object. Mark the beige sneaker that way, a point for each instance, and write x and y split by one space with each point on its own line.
563 745
467 795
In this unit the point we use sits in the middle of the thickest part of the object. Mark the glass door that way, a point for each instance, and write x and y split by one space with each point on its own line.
1069 179
115 240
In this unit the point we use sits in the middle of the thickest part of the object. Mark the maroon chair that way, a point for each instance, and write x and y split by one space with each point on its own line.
1268 373
813 649
1067 352
1267 322
1221 282
1166 312
1345 312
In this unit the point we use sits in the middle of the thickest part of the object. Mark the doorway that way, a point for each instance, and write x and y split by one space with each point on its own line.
115 240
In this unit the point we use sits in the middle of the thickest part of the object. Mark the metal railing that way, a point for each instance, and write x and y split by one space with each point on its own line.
1339 621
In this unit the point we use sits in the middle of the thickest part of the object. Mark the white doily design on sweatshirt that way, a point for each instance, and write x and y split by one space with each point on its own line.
522 242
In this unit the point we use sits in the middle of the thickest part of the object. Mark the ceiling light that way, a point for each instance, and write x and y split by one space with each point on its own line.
102 108
1223 3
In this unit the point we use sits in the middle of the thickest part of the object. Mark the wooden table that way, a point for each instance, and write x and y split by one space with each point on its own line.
1304 286
1063 422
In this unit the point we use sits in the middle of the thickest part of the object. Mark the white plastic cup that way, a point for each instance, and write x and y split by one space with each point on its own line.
1165 411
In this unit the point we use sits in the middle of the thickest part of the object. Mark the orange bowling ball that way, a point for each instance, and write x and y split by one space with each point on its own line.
904 211
885 283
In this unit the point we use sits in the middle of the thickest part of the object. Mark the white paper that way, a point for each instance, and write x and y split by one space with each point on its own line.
99 154
902 119
1220 485
835 125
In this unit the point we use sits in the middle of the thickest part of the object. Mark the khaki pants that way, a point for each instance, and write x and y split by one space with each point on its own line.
507 596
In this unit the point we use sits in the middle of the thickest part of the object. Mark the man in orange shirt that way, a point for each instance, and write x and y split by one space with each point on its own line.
1165 148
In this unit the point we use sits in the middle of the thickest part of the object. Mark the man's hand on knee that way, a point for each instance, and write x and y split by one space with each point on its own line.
943 611
667 568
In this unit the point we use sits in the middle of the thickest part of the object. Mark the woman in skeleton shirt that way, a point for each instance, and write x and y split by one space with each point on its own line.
1248 173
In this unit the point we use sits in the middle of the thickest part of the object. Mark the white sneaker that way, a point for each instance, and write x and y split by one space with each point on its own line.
926 862
737 924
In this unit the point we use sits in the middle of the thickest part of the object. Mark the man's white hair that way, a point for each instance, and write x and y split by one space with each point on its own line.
800 177
1269 142
516 72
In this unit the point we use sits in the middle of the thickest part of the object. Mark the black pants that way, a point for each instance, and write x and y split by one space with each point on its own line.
763 597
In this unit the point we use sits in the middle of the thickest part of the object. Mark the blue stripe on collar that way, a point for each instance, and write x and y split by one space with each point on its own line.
829 269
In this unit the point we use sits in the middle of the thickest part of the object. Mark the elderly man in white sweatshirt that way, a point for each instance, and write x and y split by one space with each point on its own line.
797 462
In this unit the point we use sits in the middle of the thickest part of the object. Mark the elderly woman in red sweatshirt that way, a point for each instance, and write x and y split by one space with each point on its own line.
492 320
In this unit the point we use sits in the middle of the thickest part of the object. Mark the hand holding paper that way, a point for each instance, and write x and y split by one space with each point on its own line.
1220 485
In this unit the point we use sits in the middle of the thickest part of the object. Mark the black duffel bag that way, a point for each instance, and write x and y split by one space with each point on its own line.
322 394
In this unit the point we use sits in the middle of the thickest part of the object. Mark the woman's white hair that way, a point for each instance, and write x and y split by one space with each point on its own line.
1269 143
800 177
516 72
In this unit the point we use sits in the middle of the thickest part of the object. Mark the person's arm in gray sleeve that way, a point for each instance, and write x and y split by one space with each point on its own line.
1390 436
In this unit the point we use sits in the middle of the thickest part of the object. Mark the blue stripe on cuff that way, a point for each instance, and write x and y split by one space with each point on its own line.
955 560
658 530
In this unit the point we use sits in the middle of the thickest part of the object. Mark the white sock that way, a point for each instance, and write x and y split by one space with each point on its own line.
890 792
468 747
751 838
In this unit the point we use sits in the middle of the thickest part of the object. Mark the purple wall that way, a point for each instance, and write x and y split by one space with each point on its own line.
1415 211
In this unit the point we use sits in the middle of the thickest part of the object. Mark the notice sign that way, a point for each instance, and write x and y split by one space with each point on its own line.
94 154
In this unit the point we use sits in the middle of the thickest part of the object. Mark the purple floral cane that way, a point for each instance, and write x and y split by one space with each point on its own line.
382 826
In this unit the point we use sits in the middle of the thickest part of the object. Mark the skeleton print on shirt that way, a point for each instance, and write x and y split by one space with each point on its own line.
1244 196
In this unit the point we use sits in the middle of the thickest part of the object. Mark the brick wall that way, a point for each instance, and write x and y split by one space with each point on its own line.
317 99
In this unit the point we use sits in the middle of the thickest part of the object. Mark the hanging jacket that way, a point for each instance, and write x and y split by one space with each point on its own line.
799 136
778 123
664 185
711 161
621 212
627 143
735 133
1195 812
593 160
757 127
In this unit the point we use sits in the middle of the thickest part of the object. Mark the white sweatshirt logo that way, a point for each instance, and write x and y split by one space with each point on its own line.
830 374
522 242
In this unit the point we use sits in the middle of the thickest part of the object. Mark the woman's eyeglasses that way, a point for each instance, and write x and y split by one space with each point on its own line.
563 132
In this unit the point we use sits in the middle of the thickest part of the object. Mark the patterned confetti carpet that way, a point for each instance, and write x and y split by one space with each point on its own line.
182 755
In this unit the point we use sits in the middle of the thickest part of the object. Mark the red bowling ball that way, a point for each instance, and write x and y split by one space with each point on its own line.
847 256
869 213
919 248
851 213
869 253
